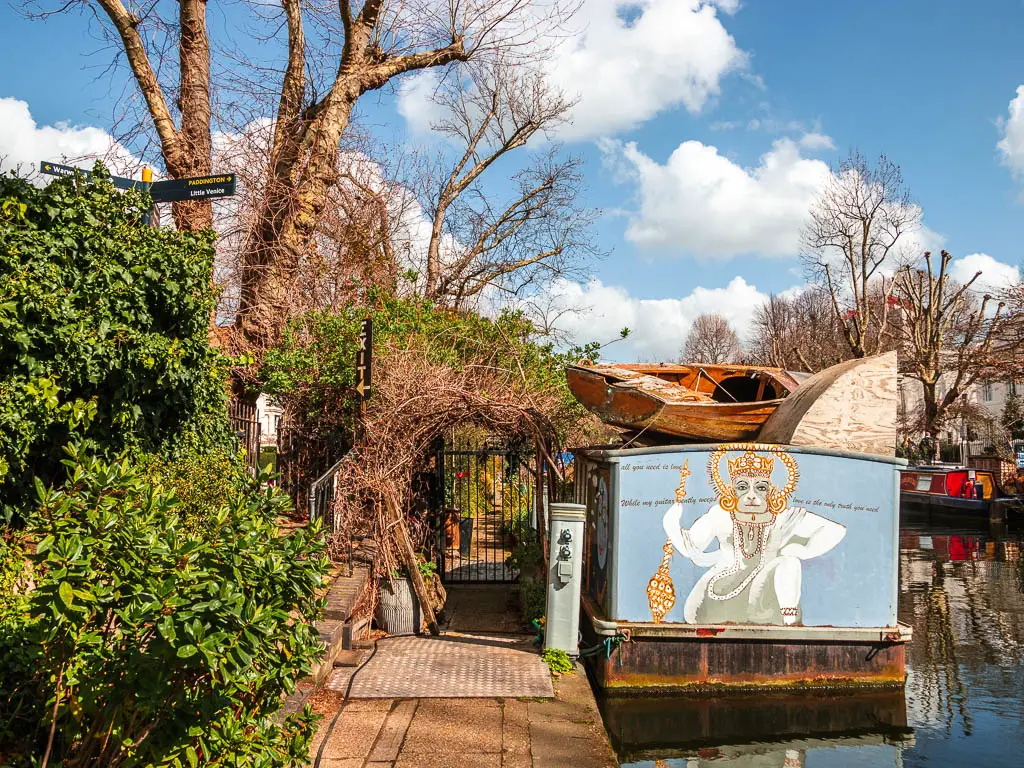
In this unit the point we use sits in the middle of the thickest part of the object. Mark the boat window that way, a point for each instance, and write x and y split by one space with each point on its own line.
743 389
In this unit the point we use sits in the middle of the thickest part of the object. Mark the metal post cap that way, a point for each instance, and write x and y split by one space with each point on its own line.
568 512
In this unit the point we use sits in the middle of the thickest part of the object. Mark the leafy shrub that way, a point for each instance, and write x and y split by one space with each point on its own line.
202 481
558 661
313 368
150 643
533 596
527 557
103 330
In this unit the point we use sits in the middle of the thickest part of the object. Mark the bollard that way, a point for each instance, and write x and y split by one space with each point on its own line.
565 565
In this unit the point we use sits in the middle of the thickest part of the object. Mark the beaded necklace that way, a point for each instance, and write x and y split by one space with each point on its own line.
740 548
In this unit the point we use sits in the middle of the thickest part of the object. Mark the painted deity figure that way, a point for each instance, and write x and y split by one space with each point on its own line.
755 574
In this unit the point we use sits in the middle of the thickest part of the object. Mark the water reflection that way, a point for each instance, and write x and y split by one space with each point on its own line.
841 751
962 590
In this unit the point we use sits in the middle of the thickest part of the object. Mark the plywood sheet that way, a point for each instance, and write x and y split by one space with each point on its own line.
850 407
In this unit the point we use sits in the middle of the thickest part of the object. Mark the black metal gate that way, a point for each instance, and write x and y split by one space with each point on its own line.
245 423
485 506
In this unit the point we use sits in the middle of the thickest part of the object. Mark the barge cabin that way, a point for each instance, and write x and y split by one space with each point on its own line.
949 488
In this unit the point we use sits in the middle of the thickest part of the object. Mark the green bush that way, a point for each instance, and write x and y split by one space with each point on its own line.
103 330
558 661
202 481
527 557
150 642
533 596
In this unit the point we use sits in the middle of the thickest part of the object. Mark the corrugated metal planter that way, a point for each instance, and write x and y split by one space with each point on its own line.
397 610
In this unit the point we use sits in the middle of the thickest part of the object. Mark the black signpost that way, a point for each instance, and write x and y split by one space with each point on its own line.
364 375
170 191
364 361
196 188
56 169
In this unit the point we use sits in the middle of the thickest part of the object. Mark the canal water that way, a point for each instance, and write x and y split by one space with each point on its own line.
962 590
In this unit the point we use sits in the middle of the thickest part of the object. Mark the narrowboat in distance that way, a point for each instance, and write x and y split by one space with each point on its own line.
949 488
694 402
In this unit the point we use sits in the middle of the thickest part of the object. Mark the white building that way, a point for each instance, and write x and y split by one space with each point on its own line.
987 398
269 414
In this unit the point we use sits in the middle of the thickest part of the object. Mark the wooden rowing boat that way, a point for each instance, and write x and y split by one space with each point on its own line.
694 402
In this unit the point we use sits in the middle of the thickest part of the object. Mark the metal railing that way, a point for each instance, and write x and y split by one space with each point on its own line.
320 504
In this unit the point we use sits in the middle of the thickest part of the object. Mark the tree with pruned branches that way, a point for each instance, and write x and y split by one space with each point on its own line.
854 237
946 336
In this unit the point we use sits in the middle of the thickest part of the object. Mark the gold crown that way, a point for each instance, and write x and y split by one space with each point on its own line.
752 465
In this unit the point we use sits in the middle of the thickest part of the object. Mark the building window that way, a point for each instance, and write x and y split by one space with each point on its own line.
986 393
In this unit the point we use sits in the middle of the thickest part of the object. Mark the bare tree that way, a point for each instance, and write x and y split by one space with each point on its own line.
853 238
334 52
174 85
711 340
798 333
947 335
539 230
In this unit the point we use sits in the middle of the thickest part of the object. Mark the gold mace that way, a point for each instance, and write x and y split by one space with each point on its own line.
661 595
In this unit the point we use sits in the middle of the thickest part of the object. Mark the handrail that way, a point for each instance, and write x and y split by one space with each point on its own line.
312 499
315 486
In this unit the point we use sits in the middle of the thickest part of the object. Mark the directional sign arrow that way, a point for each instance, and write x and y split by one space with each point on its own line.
56 169
195 188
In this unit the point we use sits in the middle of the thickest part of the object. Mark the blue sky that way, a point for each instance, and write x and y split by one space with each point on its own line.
928 83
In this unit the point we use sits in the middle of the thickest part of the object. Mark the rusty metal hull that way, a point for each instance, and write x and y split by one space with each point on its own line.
687 659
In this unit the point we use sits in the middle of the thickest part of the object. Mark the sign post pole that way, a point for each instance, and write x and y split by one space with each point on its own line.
149 216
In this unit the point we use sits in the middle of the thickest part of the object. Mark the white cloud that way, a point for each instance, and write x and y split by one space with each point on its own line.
24 143
815 141
701 203
658 327
1012 144
995 275
415 102
632 60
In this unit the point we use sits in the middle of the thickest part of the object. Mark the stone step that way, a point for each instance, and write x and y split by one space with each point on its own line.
349 658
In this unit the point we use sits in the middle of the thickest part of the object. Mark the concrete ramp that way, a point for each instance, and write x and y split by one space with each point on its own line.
454 665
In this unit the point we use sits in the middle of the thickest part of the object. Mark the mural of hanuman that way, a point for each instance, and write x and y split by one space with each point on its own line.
755 574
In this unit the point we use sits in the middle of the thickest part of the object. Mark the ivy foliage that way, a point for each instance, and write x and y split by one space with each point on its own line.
314 365
146 642
103 330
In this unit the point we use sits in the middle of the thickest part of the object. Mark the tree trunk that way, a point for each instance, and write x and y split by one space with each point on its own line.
294 199
931 416
195 155
186 151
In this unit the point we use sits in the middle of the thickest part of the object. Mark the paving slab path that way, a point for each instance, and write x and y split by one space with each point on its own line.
489 732
478 695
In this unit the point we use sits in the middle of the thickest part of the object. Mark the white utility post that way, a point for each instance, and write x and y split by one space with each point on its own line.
565 566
